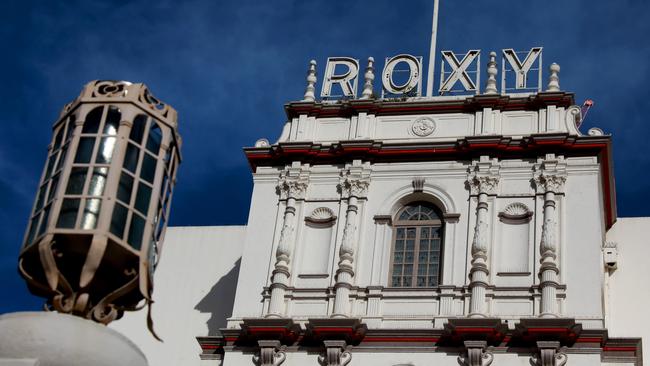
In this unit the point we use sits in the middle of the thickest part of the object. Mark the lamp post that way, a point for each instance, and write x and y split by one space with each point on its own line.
102 206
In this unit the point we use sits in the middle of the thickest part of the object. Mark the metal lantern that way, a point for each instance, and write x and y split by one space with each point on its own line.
99 219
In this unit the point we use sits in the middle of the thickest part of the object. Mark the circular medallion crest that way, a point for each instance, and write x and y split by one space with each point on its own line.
423 126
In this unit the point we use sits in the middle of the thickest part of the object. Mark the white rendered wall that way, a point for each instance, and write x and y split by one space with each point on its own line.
628 286
193 295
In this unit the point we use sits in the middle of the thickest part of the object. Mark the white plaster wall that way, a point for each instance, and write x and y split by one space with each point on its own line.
628 287
194 291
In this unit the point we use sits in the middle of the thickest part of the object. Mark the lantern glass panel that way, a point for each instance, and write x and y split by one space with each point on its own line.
142 198
44 220
84 150
118 220
92 120
148 170
125 187
98 181
131 158
53 186
76 181
154 139
91 213
137 131
68 214
105 152
135 231
112 121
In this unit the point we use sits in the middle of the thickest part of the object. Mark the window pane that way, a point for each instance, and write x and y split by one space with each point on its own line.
142 198
408 257
399 257
90 214
399 245
71 127
62 155
58 138
118 220
105 151
396 281
135 231
124 188
397 269
410 232
131 158
46 217
421 281
41 197
50 166
92 121
407 282
53 186
98 181
112 121
68 215
433 281
84 150
148 170
137 131
155 138
32 229
76 181
410 244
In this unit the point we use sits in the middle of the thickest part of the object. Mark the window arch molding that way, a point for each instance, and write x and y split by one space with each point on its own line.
405 195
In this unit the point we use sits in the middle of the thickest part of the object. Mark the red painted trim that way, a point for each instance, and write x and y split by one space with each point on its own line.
589 340
619 349
401 339
209 346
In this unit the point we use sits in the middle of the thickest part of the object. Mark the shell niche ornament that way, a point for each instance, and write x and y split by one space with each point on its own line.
99 218
423 126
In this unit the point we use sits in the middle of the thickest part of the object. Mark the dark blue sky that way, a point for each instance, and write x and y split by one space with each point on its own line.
228 67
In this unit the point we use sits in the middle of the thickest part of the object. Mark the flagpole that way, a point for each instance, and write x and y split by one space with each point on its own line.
432 50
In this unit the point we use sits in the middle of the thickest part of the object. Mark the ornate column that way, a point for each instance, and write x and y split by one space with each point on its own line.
476 355
271 354
336 353
549 354
354 186
550 183
482 183
292 187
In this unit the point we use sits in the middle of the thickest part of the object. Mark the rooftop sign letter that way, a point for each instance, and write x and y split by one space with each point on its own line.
414 80
347 80
459 71
520 68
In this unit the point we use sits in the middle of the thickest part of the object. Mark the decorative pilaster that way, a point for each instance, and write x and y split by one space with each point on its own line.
553 78
550 184
369 77
549 354
271 353
491 84
476 354
310 95
336 354
354 186
292 187
483 182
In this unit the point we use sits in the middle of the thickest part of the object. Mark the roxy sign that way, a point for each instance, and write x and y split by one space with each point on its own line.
459 73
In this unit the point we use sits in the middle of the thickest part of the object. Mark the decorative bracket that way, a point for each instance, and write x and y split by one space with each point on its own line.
271 353
549 354
336 354
476 354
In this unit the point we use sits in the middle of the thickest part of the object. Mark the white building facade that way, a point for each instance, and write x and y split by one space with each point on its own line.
464 229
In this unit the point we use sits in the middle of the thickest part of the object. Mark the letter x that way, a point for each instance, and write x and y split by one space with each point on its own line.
459 70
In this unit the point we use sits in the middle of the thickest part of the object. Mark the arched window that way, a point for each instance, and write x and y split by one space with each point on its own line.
417 246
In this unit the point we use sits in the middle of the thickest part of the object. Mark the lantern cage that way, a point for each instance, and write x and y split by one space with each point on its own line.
102 206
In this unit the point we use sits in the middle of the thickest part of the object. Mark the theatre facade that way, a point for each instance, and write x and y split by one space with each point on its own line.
475 227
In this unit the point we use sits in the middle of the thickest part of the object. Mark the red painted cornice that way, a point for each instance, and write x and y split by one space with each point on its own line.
471 104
